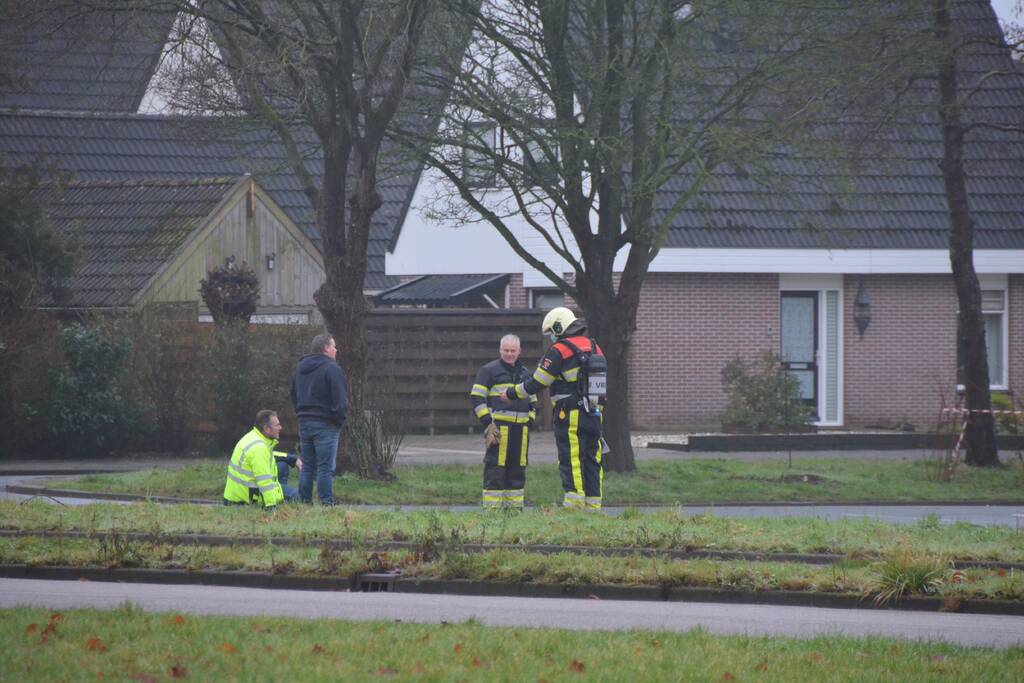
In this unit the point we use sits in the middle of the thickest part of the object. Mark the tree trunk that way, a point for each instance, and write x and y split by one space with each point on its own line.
972 361
611 322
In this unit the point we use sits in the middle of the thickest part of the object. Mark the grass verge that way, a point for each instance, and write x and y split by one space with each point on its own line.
129 644
664 529
512 566
654 483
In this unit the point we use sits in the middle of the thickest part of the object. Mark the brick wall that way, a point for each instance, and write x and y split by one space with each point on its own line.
905 365
518 297
689 326
1016 325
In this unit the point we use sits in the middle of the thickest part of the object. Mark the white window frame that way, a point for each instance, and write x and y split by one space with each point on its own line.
543 290
1000 383
474 173
822 284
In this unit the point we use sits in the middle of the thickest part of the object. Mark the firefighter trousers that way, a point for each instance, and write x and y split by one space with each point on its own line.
505 467
578 438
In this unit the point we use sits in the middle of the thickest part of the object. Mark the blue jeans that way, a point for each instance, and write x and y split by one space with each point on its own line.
318 441
290 492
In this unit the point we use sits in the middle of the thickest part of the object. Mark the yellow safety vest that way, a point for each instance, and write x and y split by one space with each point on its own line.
252 471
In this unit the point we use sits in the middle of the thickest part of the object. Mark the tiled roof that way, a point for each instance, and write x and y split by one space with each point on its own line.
895 197
441 289
113 147
126 231
81 59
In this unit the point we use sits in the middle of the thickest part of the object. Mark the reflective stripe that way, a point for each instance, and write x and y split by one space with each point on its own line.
572 500
268 487
265 477
491 498
523 446
500 389
593 502
241 470
481 410
560 397
574 451
510 416
252 445
246 484
571 374
479 390
502 445
514 498
543 376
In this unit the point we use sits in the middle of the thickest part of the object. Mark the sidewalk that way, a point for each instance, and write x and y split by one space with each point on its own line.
444 449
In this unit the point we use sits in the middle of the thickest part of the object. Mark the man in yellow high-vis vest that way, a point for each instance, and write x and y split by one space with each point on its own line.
253 468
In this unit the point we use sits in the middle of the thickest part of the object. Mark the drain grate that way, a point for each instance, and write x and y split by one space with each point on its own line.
376 583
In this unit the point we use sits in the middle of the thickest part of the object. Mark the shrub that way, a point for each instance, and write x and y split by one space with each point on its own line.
162 369
85 409
762 397
904 573
1007 424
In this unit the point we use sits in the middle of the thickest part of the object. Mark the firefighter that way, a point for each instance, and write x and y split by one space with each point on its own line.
575 370
506 426
255 469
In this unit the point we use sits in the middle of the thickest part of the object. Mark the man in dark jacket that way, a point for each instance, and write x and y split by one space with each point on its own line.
320 397
506 426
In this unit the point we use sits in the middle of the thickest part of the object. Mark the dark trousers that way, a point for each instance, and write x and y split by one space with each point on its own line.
505 467
578 438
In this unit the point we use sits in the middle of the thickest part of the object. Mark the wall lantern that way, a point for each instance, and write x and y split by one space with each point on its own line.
270 261
862 309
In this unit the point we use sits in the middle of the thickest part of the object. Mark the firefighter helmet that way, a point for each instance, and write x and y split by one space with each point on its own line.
557 321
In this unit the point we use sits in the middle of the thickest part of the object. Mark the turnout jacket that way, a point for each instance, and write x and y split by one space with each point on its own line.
252 471
558 370
492 382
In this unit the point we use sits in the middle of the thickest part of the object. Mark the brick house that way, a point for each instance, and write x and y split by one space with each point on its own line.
740 274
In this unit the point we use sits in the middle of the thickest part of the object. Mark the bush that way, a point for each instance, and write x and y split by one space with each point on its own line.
762 397
161 373
1007 424
29 349
85 409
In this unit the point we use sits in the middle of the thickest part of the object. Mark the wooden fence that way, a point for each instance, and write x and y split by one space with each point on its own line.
422 361
427 359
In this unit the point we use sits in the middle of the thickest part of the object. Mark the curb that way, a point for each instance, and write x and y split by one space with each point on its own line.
393 583
131 497
541 549
100 495
823 442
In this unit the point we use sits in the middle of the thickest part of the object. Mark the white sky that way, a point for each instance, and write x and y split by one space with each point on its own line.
1008 11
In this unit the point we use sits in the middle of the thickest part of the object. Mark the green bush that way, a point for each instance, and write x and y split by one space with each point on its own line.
762 397
1007 424
85 410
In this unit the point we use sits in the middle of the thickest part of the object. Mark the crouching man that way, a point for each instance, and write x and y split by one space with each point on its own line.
256 473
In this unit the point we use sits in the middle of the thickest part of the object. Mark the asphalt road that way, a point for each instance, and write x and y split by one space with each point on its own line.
611 615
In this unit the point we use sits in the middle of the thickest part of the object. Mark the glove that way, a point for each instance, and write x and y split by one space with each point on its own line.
491 436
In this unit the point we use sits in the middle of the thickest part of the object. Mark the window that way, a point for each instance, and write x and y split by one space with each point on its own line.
993 309
478 168
540 160
546 298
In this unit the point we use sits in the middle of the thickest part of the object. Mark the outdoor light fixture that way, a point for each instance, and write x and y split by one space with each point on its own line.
862 309
270 261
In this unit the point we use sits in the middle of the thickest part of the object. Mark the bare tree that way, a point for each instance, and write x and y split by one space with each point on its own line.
577 118
328 77
954 105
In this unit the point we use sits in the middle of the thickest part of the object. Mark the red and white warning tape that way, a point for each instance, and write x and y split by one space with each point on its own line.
967 411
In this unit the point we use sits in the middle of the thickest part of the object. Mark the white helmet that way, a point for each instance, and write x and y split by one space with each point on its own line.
557 321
